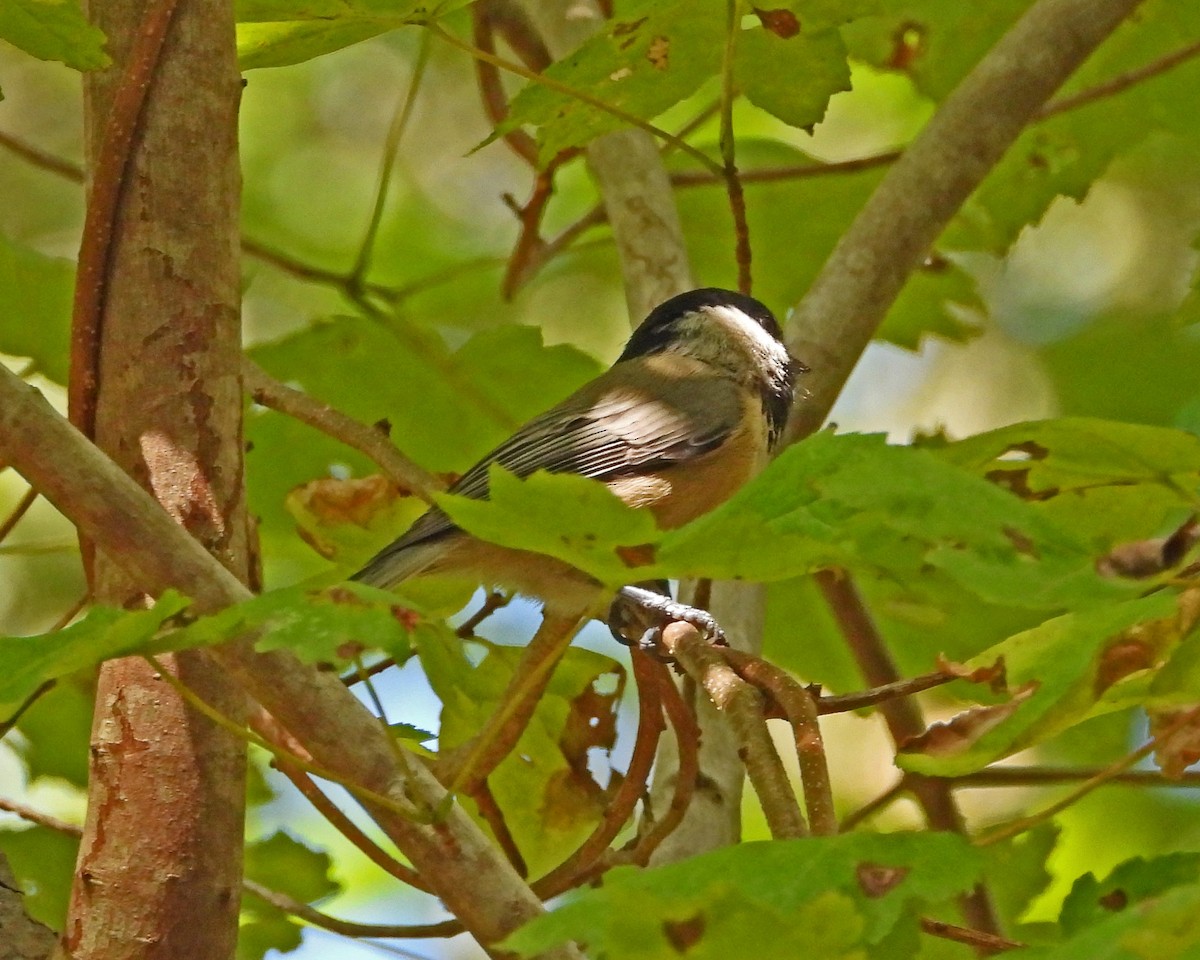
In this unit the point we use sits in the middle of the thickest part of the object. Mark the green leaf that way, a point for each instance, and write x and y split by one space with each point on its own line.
266 11
1066 153
829 897
43 862
569 517
791 78
35 307
276 33
815 15
1162 928
330 625
1105 480
257 937
28 662
283 44
933 41
936 42
53 30
56 732
284 864
644 61
550 800
1091 901
1060 673
1016 871
856 502
1100 372
445 409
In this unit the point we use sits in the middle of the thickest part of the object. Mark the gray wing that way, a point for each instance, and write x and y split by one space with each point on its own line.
610 428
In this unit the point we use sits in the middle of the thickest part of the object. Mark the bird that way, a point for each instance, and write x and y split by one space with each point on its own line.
690 410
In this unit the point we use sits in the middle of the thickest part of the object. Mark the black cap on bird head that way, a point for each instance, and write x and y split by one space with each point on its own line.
729 331
656 332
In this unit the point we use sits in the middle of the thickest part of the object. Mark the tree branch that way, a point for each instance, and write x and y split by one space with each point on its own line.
462 866
370 441
963 141
743 706
801 712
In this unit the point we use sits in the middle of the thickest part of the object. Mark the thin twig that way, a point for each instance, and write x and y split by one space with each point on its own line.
71 612
349 829
1012 776
408 476
845 702
284 756
804 171
28 499
491 603
801 713
463 768
347 928
528 249
699 120
353 677
491 90
984 943
28 813
7 724
362 263
733 186
276 898
687 772
1119 83
462 865
493 816
36 157
547 250
925 189
1020 825
513 23
743 706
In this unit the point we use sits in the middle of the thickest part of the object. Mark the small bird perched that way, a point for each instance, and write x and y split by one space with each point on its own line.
687 414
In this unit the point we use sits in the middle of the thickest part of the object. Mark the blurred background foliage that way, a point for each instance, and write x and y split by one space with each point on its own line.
1064 288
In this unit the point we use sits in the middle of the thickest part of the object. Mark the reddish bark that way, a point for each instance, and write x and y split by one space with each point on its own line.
159 867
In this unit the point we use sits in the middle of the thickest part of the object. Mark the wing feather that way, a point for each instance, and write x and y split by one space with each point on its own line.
632 420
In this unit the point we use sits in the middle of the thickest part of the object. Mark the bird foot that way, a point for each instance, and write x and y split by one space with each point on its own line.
638 616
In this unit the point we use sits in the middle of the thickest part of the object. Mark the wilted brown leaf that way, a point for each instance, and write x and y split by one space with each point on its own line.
1146 558
1182 748
960 732
993 674
1121 658
346 501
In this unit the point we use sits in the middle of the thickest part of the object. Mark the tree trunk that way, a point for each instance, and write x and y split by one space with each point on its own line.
159 867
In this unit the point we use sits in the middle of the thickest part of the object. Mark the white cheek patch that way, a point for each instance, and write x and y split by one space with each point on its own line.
752 336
